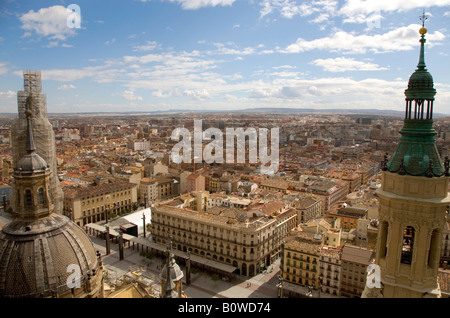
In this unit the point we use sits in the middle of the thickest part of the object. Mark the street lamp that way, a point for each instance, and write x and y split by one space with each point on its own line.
309 293
143 218
320 283
280 286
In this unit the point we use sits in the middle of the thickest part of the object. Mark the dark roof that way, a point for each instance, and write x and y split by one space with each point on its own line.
81 192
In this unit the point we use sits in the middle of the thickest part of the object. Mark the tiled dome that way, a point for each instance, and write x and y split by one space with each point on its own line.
36 255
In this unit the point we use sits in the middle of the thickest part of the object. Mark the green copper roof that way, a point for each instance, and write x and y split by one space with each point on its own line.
417 153
420 85
416 148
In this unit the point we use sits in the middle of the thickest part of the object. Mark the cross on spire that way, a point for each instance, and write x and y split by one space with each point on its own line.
423 17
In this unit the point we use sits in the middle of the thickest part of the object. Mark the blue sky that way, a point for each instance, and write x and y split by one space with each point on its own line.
147 55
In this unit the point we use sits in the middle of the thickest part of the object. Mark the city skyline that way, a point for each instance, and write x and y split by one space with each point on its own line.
224 54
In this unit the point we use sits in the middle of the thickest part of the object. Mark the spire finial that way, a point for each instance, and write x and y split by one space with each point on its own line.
30 139
422 18
422 31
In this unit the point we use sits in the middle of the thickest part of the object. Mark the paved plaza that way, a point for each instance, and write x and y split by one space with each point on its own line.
202 285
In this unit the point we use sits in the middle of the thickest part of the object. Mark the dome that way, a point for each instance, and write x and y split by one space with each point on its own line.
175 271
420 79
38 257
31 162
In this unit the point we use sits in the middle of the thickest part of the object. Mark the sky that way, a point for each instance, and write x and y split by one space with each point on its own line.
153 55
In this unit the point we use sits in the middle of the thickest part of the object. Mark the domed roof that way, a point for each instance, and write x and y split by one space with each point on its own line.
421 79
36 255
31 162
175 271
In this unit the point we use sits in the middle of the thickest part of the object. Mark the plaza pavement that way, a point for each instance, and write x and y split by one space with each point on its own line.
202 285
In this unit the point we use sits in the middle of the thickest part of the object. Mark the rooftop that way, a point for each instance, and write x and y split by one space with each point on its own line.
91 190
355 254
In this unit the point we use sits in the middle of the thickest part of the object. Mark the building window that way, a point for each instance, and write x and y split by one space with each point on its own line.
41 195
28 199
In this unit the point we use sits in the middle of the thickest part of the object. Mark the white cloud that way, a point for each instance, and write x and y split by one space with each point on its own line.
400 39
66 86
332 92
342 64
289 8
109 42
364 7
233 49
51 44
284 66
3 68
100 74
197 94
197 4
7 94
48 22
129 95
148 46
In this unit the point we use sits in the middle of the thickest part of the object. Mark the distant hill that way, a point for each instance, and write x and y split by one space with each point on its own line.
377 112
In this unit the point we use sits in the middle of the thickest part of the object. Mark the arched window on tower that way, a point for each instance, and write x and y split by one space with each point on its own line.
407 245
41 196
28 198
433 257
384 230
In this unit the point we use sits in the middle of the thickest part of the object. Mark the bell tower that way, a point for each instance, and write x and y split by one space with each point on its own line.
413 199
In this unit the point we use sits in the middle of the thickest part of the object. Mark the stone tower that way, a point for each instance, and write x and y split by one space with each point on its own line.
42 253
171 277
32 99
413 201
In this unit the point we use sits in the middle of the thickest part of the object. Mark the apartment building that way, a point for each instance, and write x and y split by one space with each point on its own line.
331 191
248 239
90 203
330 271
308 206
195 182
274 185
354 262
300 263
148 191
141 145
349 216
167 187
